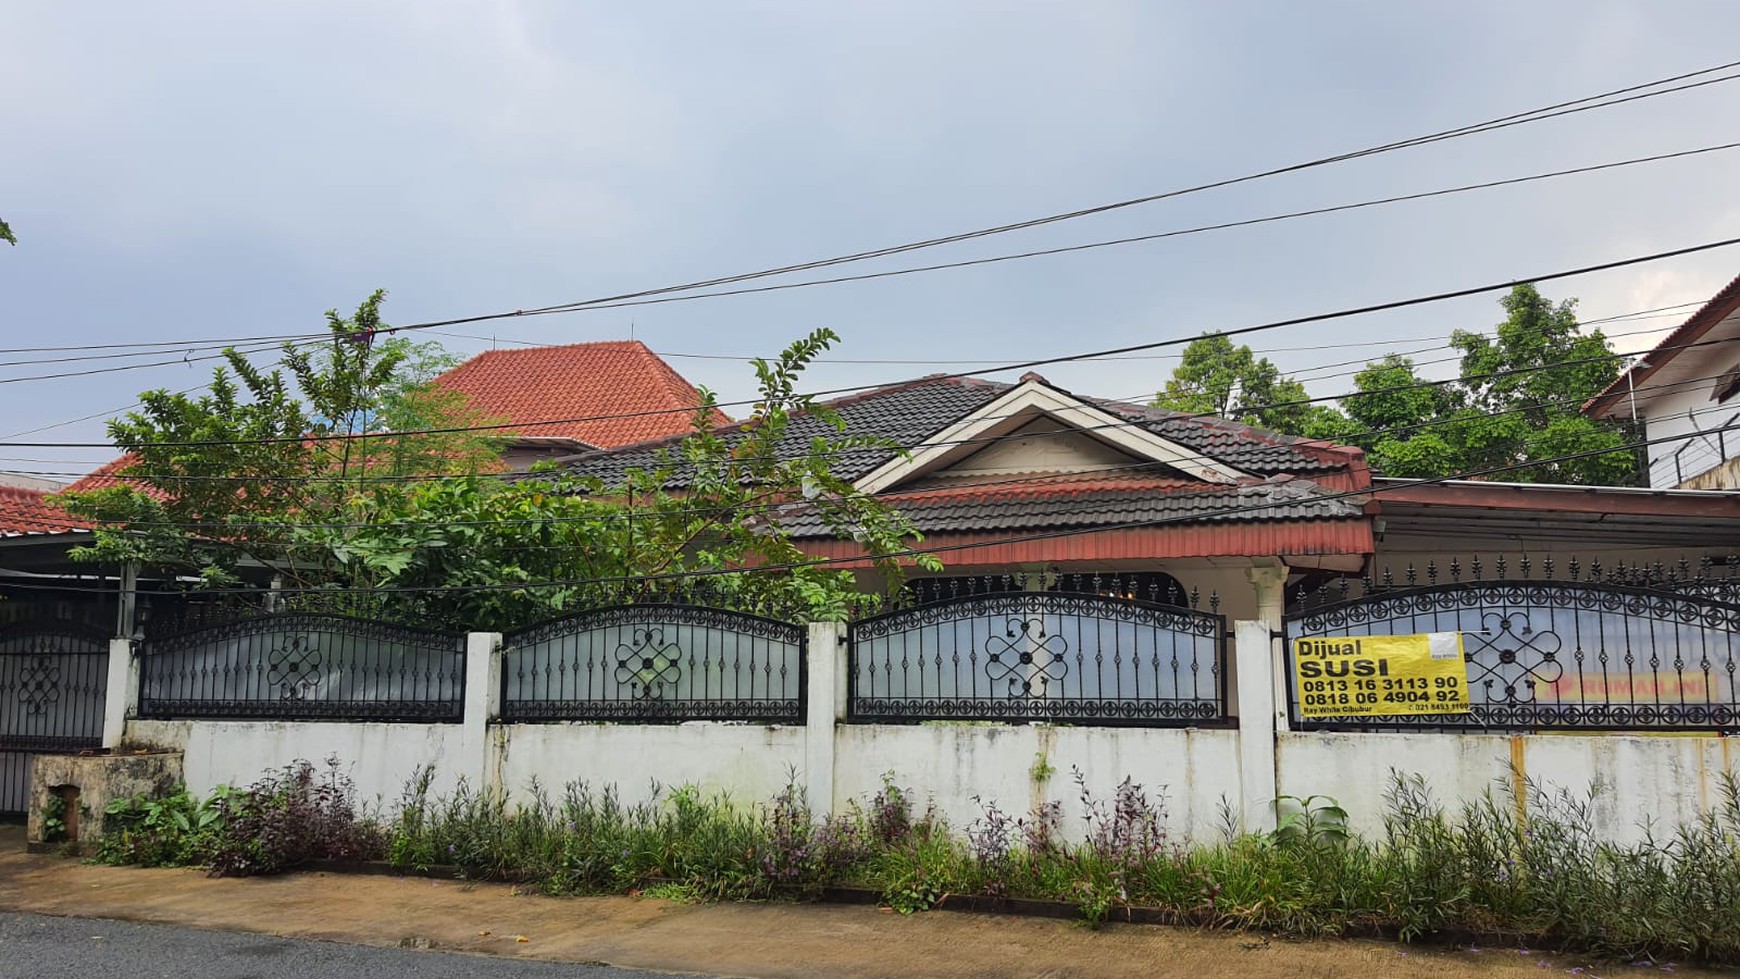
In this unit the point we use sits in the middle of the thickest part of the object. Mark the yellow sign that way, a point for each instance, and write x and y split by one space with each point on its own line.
1363 676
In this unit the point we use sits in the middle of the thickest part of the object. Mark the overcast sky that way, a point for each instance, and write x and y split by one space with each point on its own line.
183 169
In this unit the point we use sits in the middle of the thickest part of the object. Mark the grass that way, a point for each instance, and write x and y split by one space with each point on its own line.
1527 867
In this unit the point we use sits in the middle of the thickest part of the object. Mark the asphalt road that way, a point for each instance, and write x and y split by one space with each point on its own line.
40 947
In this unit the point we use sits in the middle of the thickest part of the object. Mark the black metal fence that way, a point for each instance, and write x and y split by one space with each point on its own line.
53 680
1089 654
656 663
1644 647
304 666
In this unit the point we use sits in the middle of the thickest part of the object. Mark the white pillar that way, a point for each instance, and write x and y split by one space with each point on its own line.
121 696
482 708
826 696
1255 700
1270 585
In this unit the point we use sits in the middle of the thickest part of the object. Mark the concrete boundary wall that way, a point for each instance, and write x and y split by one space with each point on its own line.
1662 780
1205 776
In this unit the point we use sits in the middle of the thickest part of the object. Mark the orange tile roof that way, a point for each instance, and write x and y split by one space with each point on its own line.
27 511
580 381
103 476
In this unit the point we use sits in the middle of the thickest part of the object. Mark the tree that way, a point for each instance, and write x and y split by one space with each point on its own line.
1517 400
6 234
1217 377
210 473
448 548
417 526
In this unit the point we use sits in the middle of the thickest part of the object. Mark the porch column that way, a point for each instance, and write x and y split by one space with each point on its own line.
826 708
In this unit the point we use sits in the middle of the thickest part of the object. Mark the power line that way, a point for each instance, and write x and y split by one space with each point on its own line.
1021 365
1601 100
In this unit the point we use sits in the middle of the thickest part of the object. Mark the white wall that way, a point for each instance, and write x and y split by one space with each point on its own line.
1660 779
947 764
750 762
381 758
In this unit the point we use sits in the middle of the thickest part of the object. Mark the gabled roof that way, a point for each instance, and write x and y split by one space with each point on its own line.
620 378
1207 469
914 411
27 512
1721 306
104 476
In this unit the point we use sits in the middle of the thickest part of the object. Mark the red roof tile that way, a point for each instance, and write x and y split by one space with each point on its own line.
1722 305
581 381
27 511
103 476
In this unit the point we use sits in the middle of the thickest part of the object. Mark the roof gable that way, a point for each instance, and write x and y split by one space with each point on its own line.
1018 408
1721 308
605 394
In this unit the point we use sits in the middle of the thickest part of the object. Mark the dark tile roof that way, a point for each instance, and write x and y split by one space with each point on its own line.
912 412
1080 503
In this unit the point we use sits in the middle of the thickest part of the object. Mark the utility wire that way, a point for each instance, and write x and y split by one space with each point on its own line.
1036 362
1601 100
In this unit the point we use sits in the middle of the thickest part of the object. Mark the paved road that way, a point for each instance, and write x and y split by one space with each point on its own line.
40 947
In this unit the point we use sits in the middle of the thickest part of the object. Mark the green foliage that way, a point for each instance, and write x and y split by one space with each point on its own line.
6 234
1528 866
269 451
551 534
1218 377
469 549
1516 400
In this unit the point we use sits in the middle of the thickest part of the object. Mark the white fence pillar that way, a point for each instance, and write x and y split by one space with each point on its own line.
121 696
482 707
1271 588
1256 699
827 707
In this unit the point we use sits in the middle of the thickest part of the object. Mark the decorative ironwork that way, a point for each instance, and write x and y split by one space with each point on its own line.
309 666
1088 655
1645 647
656 663
53 680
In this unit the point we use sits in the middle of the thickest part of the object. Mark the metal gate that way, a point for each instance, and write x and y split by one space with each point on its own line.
53 677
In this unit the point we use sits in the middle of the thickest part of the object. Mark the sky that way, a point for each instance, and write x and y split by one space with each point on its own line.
183 169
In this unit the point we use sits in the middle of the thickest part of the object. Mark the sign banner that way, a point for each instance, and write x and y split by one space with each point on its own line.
1368 676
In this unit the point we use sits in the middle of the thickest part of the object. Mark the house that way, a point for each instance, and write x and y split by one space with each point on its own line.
581 396
1686 395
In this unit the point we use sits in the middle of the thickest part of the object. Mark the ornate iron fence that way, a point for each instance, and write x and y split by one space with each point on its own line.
656 663
305 666
1644 647
1072 654
53 679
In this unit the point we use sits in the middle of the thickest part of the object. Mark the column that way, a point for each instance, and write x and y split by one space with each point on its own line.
826 696
1262 696
121 696
482 708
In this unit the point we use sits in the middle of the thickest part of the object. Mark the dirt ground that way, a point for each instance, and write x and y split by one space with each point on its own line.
733 939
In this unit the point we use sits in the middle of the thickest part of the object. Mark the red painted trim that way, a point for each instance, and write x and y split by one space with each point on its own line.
1279 538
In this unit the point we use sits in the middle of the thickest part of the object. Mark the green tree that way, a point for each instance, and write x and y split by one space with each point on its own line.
1516 400
263 447
556 540
1217 377
6 234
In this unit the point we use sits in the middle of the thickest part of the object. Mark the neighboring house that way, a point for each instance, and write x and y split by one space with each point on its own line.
34 538
577 397
1686 394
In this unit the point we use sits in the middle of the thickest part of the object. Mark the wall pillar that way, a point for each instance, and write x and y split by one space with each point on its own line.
826 697
1255 700
482 708
1270 585
121 696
